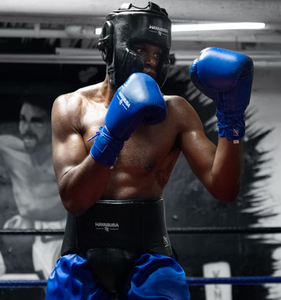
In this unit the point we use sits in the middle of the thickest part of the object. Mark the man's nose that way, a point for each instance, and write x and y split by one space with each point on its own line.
151 60
26 127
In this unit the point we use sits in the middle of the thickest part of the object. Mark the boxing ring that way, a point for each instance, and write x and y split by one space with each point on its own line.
192 281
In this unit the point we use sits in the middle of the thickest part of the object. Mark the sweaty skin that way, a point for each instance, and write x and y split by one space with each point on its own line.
147 159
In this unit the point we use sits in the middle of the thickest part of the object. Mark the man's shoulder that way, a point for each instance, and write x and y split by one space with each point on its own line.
10 142
70 110
173 98
180 110
75 99
175 101
89 91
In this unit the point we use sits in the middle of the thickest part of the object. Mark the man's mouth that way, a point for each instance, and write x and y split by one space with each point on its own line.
150 72
29 141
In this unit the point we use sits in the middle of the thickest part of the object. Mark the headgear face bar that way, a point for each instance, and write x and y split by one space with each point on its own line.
124 27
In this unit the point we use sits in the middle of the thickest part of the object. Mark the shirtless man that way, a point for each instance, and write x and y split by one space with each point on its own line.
116 241
27 160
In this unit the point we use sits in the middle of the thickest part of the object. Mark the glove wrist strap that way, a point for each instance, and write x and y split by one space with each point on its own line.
231 125
106 147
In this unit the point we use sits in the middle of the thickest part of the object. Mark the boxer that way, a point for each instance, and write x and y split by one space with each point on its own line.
115 145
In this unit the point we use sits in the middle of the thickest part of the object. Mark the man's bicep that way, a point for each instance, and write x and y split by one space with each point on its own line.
68 153
68 146
199 151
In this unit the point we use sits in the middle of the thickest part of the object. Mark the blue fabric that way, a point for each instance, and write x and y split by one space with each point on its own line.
106 147
231 125
153 276
73 279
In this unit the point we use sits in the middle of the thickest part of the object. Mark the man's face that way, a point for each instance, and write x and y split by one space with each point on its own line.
151 55
34 127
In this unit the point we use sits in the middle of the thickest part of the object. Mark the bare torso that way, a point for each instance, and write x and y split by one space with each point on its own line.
147 159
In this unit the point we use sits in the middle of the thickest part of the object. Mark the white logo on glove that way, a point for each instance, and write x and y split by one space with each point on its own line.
123 101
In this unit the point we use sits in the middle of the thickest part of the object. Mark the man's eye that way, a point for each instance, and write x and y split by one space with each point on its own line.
140 50
37 123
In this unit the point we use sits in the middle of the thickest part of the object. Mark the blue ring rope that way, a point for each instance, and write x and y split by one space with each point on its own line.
233 280
192 281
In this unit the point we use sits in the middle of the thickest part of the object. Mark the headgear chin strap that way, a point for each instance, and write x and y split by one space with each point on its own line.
131 24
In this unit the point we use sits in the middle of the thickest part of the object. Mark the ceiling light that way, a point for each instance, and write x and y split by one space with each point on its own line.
98 31
211 26
217 26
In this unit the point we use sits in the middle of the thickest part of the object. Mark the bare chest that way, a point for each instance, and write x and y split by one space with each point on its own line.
145 162
147 147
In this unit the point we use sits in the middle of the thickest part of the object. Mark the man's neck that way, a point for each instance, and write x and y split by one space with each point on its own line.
106 91
42 157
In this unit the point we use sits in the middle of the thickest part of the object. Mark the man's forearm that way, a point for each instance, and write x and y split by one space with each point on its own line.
81 186
227 169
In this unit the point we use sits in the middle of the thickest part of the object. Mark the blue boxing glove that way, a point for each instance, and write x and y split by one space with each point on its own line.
226 77
138 100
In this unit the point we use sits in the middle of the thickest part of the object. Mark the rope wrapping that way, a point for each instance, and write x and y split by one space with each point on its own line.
192 281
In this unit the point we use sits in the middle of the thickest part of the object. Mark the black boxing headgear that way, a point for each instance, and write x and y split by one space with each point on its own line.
131 24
